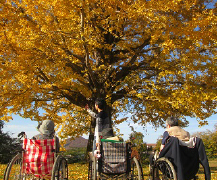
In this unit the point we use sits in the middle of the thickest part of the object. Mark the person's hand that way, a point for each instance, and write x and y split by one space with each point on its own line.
86 107
97 154
98 146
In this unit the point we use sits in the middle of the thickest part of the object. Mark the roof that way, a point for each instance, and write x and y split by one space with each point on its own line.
152 144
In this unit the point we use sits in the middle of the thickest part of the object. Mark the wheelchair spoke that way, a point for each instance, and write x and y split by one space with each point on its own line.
14 169
163 170
60 171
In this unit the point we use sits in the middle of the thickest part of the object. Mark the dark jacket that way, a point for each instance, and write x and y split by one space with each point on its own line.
103 128
186 160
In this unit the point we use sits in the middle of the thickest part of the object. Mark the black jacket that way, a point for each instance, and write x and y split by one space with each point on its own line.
186 160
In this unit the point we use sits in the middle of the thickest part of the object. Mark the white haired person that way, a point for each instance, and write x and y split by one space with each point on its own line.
46 129
173 129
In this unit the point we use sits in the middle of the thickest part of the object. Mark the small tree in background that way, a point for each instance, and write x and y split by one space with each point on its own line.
8 145
76 155
136 138
210 140
139 149
158 143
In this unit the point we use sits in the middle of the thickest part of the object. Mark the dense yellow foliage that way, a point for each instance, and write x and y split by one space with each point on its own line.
149 58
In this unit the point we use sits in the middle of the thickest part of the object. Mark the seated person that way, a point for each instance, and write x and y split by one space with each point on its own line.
173 129
185 160
46 129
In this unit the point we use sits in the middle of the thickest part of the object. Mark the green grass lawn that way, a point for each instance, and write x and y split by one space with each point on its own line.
79 171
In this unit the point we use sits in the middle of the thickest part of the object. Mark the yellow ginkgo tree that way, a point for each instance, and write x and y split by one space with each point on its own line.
148 58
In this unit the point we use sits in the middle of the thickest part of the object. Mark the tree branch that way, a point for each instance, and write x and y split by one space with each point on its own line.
128 65
93 79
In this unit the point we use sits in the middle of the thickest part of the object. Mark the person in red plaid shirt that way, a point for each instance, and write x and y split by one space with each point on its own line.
46 129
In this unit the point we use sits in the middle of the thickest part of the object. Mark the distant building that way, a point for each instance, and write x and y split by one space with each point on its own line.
151 145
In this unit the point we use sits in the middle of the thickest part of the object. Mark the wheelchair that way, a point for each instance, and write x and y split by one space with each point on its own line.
115 162
37 160
178 161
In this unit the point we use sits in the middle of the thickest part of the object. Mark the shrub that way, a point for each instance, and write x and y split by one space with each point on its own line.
76 155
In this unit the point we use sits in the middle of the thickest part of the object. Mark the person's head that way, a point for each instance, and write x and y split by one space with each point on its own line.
172 121
47 127
100 104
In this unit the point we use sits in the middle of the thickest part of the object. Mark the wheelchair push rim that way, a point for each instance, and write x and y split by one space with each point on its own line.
92 173
136 170
163 169
14 168
60 169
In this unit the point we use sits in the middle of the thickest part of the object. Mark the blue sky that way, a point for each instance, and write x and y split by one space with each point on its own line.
151 135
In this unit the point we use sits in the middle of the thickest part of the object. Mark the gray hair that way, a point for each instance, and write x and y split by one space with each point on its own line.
172 121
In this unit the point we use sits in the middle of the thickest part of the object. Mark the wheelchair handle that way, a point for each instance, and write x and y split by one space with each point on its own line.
22 135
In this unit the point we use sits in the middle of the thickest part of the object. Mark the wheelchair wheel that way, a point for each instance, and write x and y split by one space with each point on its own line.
60 169
13 170
136 170
163 170
4 177
92 173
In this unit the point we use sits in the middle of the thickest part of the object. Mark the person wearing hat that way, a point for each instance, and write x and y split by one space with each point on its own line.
46 129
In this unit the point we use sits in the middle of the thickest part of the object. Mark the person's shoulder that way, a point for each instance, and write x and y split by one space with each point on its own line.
37 137
165 137
184 131
166 133
42 137
174 129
